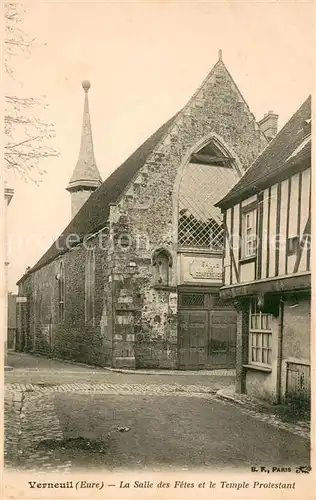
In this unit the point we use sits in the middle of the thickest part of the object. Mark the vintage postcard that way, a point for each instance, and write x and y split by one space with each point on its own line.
157 255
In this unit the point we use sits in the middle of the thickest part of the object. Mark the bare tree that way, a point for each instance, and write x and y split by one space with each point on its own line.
27 135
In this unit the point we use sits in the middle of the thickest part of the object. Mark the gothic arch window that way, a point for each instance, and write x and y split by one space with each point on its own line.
61 291
162 264
208 176
90 287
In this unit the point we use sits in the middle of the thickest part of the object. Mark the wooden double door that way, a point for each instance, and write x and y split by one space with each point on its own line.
206 332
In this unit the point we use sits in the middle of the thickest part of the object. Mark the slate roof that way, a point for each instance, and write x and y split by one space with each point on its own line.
276 159
94 213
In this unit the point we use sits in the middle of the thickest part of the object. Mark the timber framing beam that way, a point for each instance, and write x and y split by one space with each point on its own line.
231 253
306 235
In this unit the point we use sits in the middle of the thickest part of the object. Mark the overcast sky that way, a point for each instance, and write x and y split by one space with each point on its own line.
144 61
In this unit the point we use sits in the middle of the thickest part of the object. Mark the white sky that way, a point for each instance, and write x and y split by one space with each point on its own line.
144 61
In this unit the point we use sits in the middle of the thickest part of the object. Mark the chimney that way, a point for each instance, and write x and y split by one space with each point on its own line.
269 125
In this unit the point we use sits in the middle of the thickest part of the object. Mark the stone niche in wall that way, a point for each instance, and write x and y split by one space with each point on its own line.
194 268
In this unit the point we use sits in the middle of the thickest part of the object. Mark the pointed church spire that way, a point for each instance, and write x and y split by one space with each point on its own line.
86 176
220 55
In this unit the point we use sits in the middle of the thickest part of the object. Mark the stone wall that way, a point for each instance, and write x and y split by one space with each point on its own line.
70 338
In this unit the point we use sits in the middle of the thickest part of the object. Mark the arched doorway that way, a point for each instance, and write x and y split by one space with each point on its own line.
206 324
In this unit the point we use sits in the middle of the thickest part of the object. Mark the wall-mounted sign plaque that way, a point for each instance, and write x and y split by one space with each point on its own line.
206 270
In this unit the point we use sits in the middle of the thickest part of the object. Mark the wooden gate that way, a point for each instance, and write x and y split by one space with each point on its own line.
206 331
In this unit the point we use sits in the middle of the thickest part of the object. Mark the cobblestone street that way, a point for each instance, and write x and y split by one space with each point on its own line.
60 416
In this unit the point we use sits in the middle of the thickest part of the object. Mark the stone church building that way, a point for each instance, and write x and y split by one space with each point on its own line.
133 279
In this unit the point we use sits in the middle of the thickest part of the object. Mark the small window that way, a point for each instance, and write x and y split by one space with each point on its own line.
292 245
249 233
260 336
61 292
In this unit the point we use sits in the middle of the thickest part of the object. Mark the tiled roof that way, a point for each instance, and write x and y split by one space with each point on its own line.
94 213
285 151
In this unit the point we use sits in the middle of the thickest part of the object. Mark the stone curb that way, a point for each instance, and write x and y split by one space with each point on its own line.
249 406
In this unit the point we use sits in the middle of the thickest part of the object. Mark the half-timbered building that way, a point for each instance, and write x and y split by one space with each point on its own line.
267 219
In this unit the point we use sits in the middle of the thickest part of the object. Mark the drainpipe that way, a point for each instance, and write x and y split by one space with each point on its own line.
279 356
